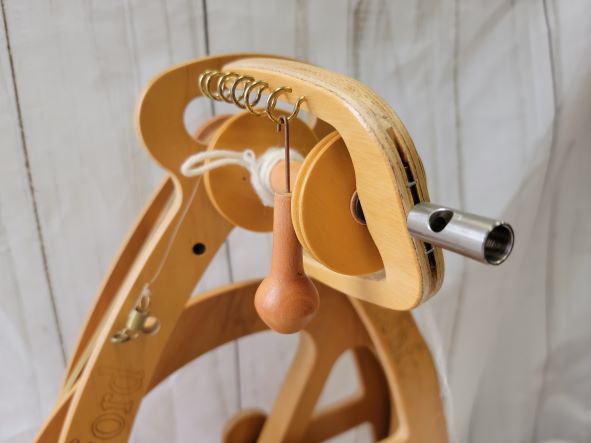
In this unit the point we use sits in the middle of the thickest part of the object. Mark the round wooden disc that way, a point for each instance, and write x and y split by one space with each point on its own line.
322 216
229 187
303 172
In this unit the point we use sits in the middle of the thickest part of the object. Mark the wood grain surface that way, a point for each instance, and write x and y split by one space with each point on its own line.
496 97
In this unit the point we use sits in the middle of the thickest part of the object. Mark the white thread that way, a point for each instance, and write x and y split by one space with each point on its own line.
145 297
259 169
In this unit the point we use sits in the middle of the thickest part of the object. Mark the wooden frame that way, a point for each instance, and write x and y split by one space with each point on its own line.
105 381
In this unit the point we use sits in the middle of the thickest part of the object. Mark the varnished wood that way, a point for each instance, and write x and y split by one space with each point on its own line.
371 404
399 396
129 252
157 120
244 427
303 172
139 357
287 299
378 145
104 376
277 176
321 212
228 187
413 410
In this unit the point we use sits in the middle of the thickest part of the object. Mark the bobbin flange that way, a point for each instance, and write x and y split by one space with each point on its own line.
321 211
229 187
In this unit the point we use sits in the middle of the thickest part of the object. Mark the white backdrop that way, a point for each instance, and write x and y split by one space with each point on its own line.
497 96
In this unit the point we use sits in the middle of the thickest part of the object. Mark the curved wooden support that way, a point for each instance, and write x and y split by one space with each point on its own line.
106 381
89 416
380 148
399 396
160 117
145 226
244 427
372 404
378 144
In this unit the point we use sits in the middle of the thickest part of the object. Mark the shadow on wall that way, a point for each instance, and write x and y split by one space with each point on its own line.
522 349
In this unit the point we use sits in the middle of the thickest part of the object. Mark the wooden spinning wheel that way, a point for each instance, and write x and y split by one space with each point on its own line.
132 341
399 384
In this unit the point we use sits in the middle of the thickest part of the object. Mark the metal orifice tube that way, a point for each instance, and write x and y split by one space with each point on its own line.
480 238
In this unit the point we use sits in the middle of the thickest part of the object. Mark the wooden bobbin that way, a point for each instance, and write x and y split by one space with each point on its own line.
229 187
322 215
328 229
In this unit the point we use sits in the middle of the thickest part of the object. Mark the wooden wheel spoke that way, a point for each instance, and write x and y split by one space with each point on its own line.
336 329
301 389
371 404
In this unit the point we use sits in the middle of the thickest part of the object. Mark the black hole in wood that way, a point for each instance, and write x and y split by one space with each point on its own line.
198 248
357 209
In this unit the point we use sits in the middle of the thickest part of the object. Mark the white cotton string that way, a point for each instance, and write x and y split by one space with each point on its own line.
142 304
259 169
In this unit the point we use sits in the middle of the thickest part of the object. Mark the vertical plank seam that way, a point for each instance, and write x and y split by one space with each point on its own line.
472 432
549 253
226 243
167 33
207 51
301 31
354 10
133 47
31 187
459 160
192 19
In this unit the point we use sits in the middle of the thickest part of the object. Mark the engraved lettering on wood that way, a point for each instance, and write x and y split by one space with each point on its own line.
117 402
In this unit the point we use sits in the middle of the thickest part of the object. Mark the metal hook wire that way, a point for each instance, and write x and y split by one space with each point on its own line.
250 105
203 82
227 89
208 87
242 79
272 103
222 83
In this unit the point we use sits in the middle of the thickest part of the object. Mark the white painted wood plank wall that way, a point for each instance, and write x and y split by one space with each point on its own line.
496 95
29 340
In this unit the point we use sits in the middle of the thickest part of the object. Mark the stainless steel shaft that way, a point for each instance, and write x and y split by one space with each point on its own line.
480 238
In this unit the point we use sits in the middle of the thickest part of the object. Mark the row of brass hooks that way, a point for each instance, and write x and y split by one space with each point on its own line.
245 92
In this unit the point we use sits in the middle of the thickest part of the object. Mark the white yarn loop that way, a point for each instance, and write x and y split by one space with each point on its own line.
259 169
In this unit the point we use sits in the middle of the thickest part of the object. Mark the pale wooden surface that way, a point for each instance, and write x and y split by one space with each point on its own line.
173 221
398 393
473 82
376 141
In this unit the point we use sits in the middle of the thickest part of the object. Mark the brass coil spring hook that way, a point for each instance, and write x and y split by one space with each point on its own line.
245 92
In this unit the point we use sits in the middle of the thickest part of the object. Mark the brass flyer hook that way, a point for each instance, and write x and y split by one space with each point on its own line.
245 92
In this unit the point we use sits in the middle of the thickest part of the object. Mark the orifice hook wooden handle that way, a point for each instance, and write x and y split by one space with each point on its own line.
287 299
